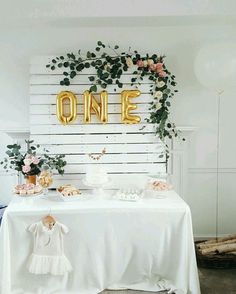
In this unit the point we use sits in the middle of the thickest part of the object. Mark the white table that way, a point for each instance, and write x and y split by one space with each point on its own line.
146 245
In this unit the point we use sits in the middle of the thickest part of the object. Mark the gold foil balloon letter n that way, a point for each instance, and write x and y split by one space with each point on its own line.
91 104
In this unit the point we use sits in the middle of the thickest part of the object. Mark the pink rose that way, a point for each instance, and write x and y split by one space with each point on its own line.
162 74
26 168
152 67
35 160
159 66
140 63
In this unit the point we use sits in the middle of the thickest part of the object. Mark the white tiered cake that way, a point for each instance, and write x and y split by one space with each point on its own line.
96 175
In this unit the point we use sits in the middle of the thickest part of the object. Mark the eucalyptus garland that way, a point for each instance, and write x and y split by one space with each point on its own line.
108 70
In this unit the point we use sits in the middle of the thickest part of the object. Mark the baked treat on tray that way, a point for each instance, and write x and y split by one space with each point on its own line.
68 190
27 189
159 186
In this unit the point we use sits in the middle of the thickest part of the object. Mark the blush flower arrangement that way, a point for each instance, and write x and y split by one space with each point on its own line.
109 70
30 163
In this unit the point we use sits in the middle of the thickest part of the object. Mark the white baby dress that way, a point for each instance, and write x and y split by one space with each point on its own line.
48 253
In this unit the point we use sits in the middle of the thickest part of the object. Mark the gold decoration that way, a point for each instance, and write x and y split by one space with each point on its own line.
91 104
63 115
98 157
31 179
126 107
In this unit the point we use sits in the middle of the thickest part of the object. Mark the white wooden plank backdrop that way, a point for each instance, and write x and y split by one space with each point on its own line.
132 150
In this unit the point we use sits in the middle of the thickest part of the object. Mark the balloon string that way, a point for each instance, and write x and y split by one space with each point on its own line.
220 92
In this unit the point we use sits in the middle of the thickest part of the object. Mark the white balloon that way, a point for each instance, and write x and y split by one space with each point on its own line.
215 66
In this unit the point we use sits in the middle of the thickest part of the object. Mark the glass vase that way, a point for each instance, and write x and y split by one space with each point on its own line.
45 179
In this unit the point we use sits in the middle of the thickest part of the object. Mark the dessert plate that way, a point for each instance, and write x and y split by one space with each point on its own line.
29 195
78 197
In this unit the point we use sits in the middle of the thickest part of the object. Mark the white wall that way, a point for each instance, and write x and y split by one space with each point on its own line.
194 105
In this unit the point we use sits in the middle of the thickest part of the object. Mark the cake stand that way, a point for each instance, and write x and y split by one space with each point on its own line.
98 190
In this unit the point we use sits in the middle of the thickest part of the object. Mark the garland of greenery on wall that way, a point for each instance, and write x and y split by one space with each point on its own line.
109 70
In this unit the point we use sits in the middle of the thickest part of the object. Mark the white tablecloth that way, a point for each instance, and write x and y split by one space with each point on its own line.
146 245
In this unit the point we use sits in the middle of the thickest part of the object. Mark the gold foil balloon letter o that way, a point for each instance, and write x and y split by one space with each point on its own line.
91 104
126 107
66 107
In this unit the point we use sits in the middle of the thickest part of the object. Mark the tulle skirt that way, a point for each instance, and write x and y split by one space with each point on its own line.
55 265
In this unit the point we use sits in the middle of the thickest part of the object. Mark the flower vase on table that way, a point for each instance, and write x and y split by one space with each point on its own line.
29 165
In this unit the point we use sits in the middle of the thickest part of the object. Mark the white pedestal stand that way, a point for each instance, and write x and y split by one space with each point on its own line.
98 189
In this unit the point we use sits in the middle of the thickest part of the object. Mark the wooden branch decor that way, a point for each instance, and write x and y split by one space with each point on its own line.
217 253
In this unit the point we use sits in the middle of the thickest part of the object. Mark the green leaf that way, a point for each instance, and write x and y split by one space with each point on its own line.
72 74
98 62
66 82
93 88
9 153
105 75
91 78
168 103
166 91
80 67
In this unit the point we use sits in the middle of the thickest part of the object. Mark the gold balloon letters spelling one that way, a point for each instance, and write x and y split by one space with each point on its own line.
91 104
126 107
67 99
62 102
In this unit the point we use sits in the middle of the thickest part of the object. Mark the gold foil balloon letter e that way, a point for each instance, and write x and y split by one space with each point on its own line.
126 107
